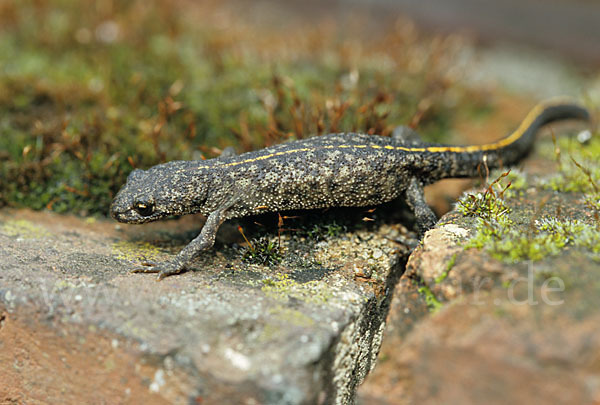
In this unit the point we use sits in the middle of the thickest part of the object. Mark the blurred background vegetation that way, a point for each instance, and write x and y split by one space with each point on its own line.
91 89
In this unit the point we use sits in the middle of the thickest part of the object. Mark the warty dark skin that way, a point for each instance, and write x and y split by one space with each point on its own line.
334 170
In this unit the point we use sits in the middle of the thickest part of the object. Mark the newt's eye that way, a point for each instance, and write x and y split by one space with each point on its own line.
144 209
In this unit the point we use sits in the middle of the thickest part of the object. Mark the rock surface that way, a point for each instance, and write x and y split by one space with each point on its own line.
512 334
74 324
472 326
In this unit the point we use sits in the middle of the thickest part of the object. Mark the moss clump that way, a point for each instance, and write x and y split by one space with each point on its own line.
547 237
593 200
509 244
262 251
482 205
574 232
488 205
574 178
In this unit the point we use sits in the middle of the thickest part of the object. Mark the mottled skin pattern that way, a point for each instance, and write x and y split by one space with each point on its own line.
327 171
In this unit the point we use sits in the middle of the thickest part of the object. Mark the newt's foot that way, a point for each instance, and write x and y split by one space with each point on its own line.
163 269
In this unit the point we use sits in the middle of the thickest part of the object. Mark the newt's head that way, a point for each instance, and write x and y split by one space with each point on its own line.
159 192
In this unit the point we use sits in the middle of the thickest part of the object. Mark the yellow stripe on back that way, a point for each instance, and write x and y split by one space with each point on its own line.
513 137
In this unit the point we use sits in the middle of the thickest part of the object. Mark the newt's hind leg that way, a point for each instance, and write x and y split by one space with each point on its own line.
415 198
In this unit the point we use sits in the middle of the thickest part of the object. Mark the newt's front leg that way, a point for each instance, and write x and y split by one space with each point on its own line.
204 241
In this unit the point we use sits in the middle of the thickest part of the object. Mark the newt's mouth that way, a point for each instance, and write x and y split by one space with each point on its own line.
120 215
124 214
130 217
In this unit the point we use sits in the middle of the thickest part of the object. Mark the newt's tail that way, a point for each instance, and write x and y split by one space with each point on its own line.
465 161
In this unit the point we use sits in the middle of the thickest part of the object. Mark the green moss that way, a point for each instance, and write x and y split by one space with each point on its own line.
512 245
483 205
593 200
574 232
431 300
490 204
549 237
449 267
262 251
573 179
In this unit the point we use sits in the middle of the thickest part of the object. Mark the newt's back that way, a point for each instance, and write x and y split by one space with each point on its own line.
325 171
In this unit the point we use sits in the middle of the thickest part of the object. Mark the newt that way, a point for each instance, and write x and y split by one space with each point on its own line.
334 170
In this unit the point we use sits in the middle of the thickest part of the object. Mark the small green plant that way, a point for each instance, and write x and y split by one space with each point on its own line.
323 231
262 251
488 205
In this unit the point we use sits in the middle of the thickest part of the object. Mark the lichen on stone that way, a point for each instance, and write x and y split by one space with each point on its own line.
23 229
135 251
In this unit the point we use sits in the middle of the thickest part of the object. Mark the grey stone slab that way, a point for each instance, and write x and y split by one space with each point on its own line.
226 330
